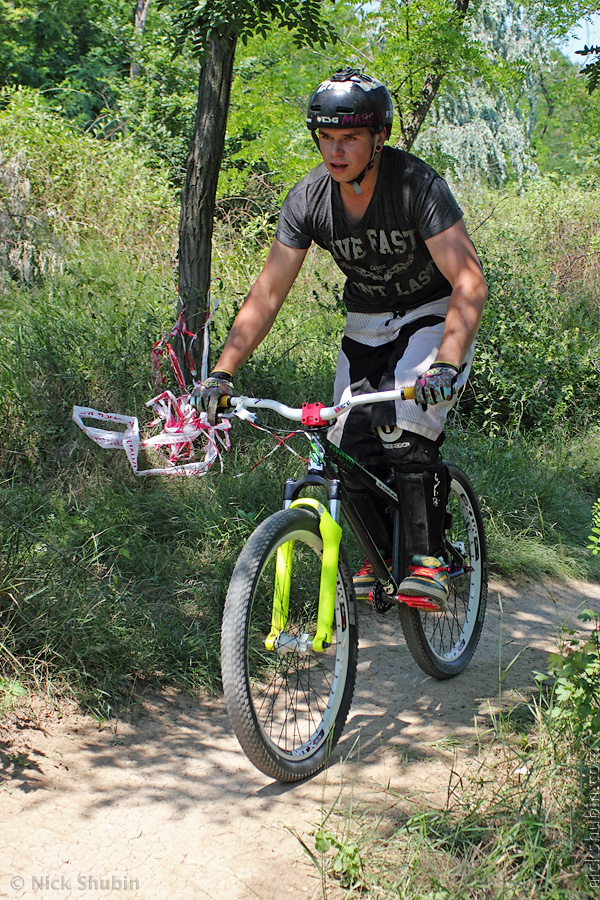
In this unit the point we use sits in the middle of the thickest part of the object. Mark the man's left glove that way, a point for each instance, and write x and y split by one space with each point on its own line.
437 384
206 396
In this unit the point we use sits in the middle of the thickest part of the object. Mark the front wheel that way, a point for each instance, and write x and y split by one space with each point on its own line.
442 643
288 705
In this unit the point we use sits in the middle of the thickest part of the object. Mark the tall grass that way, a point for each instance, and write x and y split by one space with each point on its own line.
537 364
536 497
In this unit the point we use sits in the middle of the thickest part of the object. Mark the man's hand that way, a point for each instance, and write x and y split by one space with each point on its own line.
206 396
436 385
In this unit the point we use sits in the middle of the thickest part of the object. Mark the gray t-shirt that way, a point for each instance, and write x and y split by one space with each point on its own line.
384 256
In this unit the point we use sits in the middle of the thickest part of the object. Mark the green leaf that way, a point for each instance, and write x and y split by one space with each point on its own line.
322 842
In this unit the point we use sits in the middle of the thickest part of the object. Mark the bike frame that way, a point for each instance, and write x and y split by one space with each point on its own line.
323 456
291 592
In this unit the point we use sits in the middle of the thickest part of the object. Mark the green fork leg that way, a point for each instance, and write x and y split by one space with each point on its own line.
331 533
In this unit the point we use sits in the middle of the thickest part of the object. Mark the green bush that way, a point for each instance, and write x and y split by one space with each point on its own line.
81 188
534 369
536 365
575 680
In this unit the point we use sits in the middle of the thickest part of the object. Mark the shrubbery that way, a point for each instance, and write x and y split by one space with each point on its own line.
538 351
536 365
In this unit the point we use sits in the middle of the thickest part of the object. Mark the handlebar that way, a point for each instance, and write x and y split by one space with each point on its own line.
315 413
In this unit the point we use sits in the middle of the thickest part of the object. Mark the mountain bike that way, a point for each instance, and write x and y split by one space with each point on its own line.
289 641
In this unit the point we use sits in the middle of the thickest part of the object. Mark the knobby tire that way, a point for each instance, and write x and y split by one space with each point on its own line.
287 709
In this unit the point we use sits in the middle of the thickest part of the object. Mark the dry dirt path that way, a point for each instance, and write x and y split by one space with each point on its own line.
166 805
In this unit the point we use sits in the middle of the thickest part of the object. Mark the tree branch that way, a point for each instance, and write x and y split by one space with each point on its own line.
411 121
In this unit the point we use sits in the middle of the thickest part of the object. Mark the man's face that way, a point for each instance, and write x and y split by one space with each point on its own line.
346 152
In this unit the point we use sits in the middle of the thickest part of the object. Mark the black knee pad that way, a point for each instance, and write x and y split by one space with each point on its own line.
422 482
407 451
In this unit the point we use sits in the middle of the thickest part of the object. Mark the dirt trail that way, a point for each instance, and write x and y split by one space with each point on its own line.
167 806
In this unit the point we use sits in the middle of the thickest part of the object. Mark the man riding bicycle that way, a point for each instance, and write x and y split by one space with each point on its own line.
414 292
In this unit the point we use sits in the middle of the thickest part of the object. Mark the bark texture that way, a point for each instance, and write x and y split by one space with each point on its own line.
200 188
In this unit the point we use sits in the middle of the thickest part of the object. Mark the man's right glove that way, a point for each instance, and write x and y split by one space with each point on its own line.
206 396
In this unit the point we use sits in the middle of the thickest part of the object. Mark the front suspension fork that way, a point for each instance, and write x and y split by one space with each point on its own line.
331 533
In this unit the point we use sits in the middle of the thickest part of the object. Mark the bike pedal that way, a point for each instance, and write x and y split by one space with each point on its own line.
424 603
379 601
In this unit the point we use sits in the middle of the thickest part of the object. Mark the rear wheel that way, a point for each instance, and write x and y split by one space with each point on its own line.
442 643
288 706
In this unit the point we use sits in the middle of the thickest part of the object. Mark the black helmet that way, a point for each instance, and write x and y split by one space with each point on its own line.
350 99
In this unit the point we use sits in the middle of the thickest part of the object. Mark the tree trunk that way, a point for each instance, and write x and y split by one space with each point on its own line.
141 12
410 124
199 191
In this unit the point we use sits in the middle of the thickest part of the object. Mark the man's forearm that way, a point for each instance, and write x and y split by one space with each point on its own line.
463 318
250 327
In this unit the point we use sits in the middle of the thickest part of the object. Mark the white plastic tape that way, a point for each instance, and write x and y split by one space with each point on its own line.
179 440
128 440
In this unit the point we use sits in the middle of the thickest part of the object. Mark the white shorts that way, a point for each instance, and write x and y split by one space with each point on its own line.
387 351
